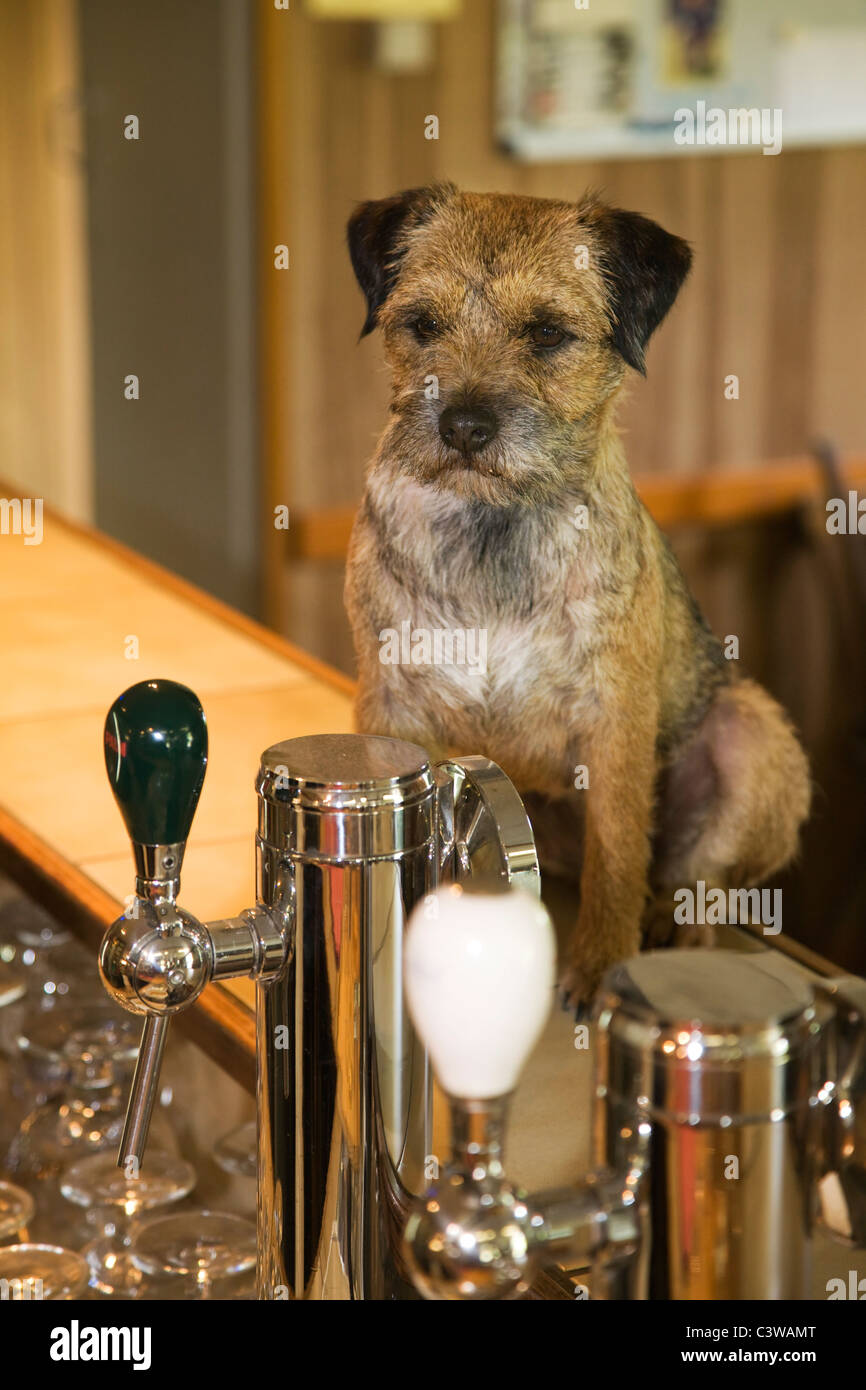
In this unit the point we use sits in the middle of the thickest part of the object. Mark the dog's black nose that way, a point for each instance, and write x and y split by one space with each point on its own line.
467 427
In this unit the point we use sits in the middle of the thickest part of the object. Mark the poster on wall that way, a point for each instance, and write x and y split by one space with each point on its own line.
607 78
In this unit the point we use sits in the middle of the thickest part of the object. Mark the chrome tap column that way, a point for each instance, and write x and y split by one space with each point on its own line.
344 1086
362 829
709 1069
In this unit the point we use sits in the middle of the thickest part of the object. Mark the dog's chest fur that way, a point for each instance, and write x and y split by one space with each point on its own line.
525 581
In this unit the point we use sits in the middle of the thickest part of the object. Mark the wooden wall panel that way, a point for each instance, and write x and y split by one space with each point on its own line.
838 268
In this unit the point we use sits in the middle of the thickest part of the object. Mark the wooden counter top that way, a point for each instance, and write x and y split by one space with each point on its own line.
72 609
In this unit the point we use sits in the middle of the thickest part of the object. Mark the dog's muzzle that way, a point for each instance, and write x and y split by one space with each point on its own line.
467 428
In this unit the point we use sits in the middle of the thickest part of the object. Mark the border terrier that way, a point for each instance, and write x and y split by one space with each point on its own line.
499 501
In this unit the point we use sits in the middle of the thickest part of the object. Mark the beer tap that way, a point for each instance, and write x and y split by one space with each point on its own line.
704 1060
157 958
480 964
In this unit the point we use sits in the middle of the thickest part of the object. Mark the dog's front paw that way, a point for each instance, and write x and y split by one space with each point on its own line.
577 987
688 934
660 929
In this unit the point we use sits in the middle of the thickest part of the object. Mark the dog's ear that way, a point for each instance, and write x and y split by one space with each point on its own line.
644 267
376 235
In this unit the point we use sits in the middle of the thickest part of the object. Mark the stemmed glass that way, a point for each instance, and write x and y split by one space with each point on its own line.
94 1047
42 970
16 1213
236 1151
237 1154
198 1254
89 1048
42 1272
12 988
12 984
113 1198
53 967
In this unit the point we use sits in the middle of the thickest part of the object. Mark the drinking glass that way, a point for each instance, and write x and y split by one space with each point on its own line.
54 968
94 1047
12 984
41 1272
16 1213
91 1049
12 988
236 1151
200 1254
112 1199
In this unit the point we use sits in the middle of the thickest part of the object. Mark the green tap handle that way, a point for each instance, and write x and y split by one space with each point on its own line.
156 755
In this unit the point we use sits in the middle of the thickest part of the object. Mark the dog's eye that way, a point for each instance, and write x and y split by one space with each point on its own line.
425 326
545 335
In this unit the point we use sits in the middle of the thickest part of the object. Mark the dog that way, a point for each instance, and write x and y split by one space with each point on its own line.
499 502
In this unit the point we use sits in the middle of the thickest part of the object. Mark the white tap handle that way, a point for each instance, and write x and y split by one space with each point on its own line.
479 978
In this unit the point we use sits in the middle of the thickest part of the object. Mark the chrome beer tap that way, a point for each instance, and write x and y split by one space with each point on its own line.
730 1103
480 965
842 1182
353 832
157 958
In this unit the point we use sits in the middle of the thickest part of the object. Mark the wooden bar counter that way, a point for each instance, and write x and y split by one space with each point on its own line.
81 619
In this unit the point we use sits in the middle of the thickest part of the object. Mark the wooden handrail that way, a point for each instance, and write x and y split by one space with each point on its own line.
721 498
728 496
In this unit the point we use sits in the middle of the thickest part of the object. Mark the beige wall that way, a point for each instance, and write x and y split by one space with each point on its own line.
44 343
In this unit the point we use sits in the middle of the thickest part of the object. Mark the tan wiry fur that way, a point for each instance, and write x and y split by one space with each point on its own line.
596 653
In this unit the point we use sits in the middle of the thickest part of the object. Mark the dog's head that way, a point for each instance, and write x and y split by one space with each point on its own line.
508 323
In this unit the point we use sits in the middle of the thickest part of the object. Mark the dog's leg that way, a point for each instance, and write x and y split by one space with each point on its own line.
380 710
620 756
557 825
731 806
660 926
